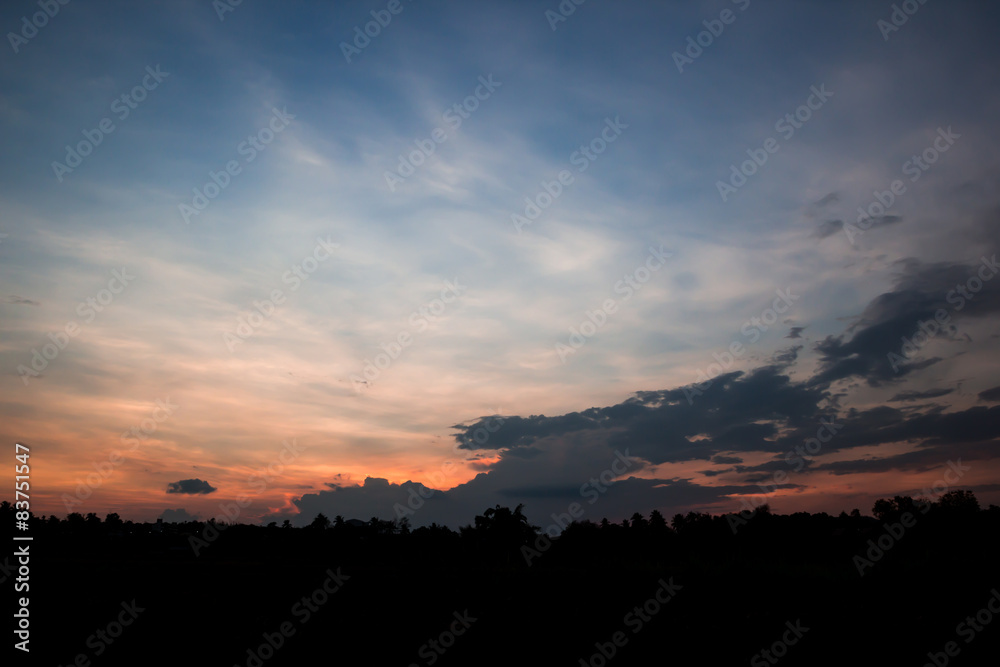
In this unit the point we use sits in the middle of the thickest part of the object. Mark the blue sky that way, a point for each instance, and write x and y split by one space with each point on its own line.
354 260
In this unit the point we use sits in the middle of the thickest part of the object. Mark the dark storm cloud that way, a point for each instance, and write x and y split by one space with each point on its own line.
787 357
992 395
736 412
884 424
892 317
522 431
920 460
572 457
919 395
550 462
190 486
795 332
828 228
768 467
179 515
881 221
375 497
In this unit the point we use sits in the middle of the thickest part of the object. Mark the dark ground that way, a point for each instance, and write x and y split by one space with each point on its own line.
733 592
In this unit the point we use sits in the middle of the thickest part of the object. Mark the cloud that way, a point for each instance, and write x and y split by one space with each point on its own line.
828 228
20 301
795 332
716 472
881 221
190 486
376 496
919 395
919 460
549 463
179 515
919 294
665 427
815 209
992 395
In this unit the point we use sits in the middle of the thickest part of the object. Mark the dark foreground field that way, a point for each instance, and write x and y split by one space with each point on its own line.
901 589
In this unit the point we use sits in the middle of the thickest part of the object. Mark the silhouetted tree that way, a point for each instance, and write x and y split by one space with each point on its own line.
960 500
501 531
882 509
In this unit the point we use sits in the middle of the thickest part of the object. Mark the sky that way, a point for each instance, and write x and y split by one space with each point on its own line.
413 259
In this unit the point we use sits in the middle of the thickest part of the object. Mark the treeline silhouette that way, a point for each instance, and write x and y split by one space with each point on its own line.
882 589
